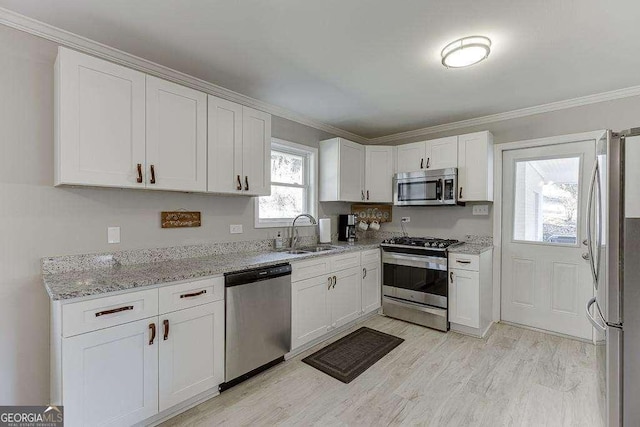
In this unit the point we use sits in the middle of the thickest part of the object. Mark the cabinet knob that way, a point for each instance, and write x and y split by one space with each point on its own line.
153 175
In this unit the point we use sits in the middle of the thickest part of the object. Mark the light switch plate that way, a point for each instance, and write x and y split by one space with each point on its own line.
481 209
235 229
113 234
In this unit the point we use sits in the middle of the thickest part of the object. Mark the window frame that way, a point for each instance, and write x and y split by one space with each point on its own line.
310 182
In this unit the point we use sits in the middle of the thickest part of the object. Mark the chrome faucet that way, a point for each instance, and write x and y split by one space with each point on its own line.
294 231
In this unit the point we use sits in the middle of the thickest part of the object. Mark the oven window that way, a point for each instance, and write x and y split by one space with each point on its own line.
419 190
416 279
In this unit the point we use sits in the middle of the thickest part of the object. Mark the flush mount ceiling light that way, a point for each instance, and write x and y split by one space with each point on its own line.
466 51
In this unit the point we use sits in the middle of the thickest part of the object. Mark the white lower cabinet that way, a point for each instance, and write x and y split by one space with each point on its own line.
310 318
464 297
371 287
191 352
111 375
344 297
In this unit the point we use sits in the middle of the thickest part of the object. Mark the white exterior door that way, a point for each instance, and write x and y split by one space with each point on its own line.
192 355
464 297
351 171
379 174
176 137
100 126
309 315
111 375
224 142
256 152
345 297
371 287
411 157
443 153
545 280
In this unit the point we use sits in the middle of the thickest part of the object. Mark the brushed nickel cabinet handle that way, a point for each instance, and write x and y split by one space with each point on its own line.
165 323
139 179
153 175
239 187
115 310
152 326
246 183
195 294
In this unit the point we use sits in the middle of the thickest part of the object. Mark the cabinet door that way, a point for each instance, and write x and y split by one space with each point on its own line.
464 297
100 122
371 287
475 167
110 377
345 297
379 174
256 152
224 143
442 153
411 157
309 315
351 183
191 352
176 137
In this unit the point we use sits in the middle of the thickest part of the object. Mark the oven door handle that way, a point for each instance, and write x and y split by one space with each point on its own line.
420 307
432 263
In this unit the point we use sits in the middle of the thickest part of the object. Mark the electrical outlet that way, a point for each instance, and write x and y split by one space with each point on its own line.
406 219
113 234
235 229
481 209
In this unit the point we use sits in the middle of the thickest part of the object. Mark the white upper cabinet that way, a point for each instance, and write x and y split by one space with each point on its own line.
378 174
225 146
475 167
256 152
100 122
176 137
439 153
342 171
239 149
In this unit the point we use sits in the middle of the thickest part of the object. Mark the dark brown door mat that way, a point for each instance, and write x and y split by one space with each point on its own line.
350 356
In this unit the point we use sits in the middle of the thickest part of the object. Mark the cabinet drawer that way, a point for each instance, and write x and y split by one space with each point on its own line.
372 255
312 268
185 295
342 262
464 262
99 313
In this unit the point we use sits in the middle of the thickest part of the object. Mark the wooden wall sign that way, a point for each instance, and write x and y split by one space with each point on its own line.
369 213
179 219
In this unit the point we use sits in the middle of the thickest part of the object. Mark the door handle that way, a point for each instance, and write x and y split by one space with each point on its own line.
165 322
152 327
239 187
592 320
153 175
585 242
586 256
139 179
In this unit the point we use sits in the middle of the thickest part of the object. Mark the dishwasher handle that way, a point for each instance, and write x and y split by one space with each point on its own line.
256 275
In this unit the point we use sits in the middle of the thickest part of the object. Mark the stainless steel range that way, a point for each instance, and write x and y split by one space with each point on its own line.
415 280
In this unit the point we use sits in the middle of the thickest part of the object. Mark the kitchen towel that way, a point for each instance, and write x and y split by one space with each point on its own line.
325 230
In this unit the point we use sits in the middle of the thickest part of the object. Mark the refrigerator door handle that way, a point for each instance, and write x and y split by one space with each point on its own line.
592 320
589 219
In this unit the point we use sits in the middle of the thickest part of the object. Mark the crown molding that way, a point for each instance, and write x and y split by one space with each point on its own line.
514 114
83 44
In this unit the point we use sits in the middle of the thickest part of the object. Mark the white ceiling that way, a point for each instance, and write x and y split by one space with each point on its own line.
372 67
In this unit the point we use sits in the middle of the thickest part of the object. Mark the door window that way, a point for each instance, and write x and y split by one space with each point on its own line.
546 207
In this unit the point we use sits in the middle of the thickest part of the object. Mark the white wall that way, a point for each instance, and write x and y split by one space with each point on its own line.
38 220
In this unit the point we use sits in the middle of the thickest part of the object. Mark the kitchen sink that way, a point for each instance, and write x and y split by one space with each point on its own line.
297 252
311 249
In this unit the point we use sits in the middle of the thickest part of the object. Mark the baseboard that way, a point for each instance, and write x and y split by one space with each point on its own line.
295 352
544 331
472 332
167 414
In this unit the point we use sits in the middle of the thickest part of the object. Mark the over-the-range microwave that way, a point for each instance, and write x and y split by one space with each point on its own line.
426 188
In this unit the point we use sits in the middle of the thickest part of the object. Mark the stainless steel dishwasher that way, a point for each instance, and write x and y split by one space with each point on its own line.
258 321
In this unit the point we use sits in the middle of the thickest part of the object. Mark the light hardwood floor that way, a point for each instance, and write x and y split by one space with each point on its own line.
514 377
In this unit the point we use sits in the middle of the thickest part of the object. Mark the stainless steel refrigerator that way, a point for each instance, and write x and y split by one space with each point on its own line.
613 249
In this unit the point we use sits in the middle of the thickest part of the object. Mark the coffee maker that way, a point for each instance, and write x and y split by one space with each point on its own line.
347 228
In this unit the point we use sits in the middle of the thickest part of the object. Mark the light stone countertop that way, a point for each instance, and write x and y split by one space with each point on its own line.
470 248
77 284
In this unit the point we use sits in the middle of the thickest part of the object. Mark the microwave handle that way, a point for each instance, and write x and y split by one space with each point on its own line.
439 190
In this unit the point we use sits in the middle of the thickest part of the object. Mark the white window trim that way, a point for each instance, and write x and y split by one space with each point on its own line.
312 176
